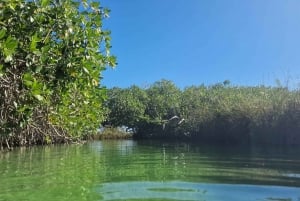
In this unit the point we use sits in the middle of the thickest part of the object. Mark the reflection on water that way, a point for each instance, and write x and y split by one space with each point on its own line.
147 170
293 175
177 190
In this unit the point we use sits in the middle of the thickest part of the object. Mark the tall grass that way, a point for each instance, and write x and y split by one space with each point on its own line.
244 114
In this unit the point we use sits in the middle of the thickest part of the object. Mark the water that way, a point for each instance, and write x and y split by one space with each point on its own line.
129 170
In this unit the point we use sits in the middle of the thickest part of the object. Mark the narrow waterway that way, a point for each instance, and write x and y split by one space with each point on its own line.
149 170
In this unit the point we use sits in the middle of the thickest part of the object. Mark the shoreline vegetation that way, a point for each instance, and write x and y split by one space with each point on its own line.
220 113
50 90
111 133
52 54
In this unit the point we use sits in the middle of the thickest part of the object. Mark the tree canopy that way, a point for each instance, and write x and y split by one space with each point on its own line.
52 54
219 113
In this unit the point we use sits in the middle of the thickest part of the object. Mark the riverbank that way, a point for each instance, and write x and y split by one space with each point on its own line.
216 114
111 134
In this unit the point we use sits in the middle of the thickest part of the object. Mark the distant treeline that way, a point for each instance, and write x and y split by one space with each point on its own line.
219 113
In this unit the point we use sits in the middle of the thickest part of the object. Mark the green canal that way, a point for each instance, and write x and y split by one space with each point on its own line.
150 170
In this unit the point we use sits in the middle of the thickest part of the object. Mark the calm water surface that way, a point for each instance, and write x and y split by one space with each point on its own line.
130 170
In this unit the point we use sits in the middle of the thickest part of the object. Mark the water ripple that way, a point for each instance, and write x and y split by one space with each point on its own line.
178 190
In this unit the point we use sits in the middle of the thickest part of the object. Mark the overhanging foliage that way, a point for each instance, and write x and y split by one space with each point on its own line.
52 53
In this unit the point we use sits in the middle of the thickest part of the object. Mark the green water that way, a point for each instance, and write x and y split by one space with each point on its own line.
130 170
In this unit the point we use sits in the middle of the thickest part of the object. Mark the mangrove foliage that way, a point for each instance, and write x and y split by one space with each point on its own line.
220 113
52 53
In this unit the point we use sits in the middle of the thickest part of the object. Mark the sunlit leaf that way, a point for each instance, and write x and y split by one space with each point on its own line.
15 104
45 3
10 46
86 70
2 33
39 97
34 41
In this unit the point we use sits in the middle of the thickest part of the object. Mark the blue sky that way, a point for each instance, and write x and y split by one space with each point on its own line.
249 42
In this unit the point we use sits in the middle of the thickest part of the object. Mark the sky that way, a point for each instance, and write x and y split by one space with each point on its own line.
194 42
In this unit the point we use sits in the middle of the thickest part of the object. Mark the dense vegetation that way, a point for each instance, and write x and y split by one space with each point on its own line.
52 53
219 113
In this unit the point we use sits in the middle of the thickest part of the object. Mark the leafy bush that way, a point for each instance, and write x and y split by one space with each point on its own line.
51 56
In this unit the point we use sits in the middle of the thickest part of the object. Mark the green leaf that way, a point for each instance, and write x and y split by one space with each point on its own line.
28 79
8 58
28 83
45 3
2 33
27 76
11 43
39 97
37 87
95 4
112 61
12 5
38 68
10 46
34 41
106 12
23 108
1 70
86 70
